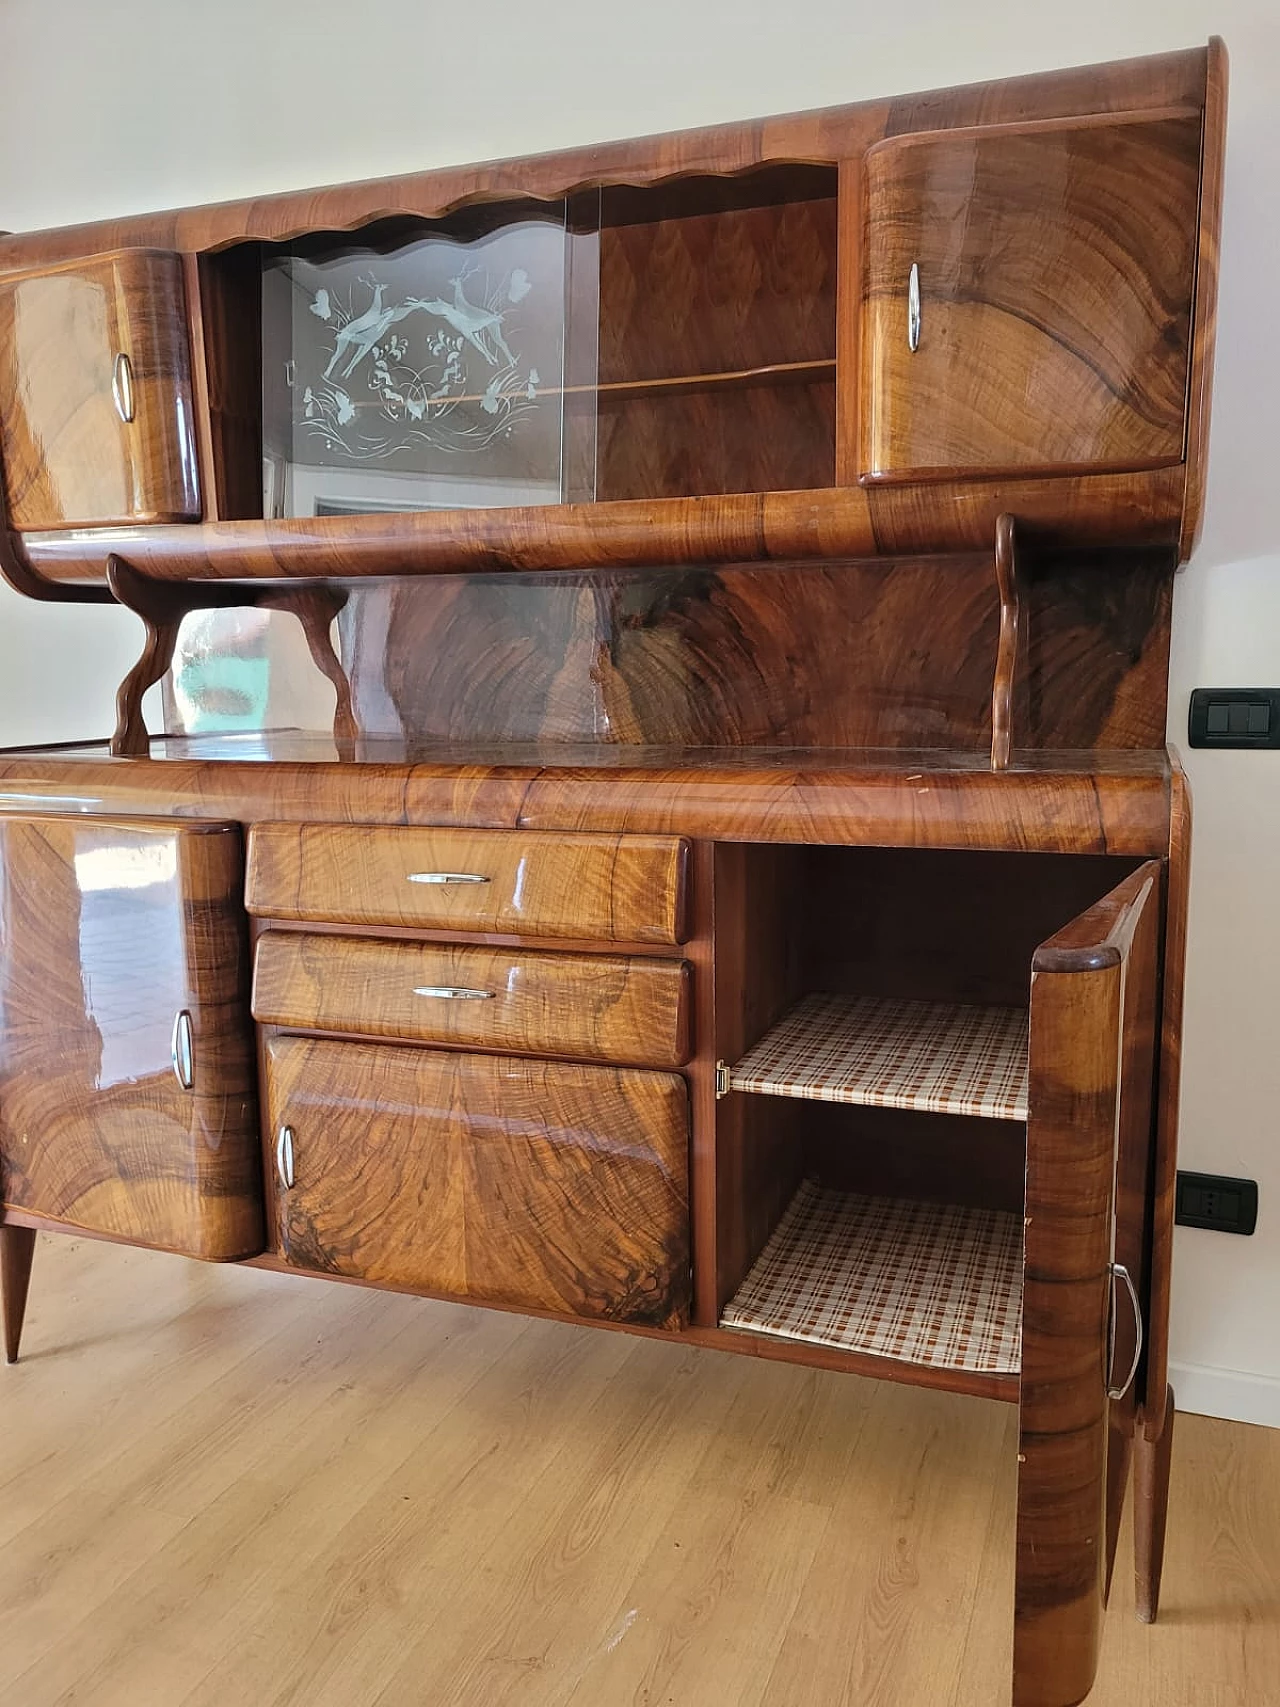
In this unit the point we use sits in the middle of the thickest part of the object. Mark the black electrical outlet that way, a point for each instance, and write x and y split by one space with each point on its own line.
1234 717
1215 1201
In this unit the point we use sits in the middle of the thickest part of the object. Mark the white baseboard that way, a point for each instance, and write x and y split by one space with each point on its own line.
1230 1393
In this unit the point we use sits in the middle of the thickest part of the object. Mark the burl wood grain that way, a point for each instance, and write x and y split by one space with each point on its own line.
528 1183
801 656
107 931
584 888
1056 265
68 457
593 1007
1082 1028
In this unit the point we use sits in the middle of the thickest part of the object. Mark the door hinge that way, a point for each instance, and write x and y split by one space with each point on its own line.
722 1080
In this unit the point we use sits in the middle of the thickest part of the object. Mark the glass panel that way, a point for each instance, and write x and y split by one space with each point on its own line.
424 374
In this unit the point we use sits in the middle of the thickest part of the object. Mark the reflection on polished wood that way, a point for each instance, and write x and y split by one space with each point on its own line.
68 455
599 1007
522 1182
610 888
111 930
1056 270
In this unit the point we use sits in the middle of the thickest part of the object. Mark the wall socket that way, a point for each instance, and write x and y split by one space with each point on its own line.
1218 1202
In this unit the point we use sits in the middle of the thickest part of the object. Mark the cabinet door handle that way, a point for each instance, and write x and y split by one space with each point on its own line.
913 307
181 1050
454 993
1120 1272
284 1157
446 877
122 386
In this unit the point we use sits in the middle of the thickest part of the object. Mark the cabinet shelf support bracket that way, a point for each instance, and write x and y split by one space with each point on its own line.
1007 645
162 606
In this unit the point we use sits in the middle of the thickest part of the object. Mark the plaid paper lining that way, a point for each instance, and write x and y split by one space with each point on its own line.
936 1056
926 1283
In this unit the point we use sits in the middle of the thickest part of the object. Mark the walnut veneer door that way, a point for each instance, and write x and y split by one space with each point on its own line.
520 1182
126 1059
95 393
1092 1043
1054 273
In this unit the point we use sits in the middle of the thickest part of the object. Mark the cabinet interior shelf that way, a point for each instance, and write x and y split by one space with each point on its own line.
931 1284
934 1057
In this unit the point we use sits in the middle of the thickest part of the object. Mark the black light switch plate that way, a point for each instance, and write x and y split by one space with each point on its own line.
1234 717
1222 1204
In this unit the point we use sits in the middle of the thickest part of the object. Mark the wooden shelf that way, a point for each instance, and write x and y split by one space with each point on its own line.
931 1284
936 1057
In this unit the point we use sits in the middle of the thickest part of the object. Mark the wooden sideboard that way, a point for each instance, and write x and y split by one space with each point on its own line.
740 894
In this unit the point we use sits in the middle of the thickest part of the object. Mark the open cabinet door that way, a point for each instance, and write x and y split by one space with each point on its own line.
1092 1046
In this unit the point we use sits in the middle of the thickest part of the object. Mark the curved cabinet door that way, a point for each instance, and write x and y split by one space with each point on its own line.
126 1062
530 1183
1092 1043
95 393
1045 327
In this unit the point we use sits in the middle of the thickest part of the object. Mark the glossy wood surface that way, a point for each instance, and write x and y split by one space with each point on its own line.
1079 1036
800 656
1205 320
601 887
593 1007
1056 268
526 1182
108 931
68 456
17 1250
1100 802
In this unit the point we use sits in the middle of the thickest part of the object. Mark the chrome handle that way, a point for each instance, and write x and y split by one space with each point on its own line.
1120 1272
446 877
181 1051
284 1157
454 993
122 386
913 308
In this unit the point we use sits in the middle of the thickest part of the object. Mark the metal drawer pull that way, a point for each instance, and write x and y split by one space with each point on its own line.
181 1051
122 386
284 1157
445 877
913 308
1120 1272
454 993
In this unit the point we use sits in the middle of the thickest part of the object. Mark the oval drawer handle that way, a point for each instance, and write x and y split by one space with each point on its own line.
122 387
1120 1272
181 1050
454 993
446 877
913 307
284 1157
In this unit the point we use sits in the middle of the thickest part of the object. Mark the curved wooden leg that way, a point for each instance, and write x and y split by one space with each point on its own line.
1151 1465
17 1248
315 608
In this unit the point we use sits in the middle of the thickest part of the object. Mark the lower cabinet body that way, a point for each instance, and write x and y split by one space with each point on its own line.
530 1183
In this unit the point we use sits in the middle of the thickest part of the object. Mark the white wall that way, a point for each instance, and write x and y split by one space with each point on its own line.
154 103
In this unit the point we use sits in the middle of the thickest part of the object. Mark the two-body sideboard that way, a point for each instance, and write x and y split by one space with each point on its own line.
738 892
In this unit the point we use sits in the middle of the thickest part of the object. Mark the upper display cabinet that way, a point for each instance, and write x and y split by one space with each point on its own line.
865 331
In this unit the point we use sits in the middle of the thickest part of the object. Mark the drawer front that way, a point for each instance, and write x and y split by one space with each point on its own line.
603 1007
95 393
605 888
529 1183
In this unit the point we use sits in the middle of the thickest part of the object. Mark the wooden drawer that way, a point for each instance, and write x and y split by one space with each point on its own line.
529 1183
509 882
603 1007
95 393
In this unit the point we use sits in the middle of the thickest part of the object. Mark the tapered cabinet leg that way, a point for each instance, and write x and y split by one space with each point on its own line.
1152 1459
17 1248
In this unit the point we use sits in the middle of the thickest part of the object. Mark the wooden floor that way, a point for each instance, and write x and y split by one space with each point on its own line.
231 1489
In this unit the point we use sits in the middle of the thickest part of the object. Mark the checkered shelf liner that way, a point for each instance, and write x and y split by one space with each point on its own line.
939 1057
923 1283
